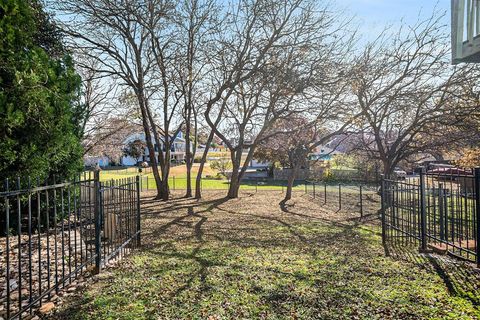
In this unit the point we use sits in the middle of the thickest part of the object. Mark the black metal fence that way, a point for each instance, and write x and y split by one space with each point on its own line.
438 210
55 232
361 198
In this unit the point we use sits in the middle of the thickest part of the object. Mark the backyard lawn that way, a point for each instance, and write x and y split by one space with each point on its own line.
176 171
178 179
255 258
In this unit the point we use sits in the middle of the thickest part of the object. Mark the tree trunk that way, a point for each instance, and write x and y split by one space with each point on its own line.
233 187
234 181
188 192
198 181
148 138
165 174
188 158
387 169
291 180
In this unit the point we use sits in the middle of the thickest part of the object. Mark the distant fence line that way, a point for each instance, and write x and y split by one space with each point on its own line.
361 198
53 233
335 175
356 197
175 183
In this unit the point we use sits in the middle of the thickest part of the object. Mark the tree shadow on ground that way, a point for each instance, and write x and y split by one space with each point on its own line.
203 237
460 278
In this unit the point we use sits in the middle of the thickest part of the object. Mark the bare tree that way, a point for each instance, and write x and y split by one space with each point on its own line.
291 140
99 107
288 45
289 147
197 27
109 139
179 51
111 33
262 64
407 93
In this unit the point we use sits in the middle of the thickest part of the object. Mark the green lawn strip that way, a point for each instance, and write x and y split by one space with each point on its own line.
180 182
308 270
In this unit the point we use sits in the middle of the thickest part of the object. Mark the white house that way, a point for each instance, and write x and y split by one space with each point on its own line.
92 161
177 150
258 164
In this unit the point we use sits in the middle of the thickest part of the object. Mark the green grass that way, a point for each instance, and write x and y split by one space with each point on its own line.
251 259
180 182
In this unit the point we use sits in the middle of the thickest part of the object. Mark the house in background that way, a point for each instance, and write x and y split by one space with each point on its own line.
92 161
258 164
177 149
323 153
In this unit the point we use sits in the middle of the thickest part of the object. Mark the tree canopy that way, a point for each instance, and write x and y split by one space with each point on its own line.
39 91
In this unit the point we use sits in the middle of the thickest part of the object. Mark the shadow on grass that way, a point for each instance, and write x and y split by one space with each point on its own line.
460 278
203 238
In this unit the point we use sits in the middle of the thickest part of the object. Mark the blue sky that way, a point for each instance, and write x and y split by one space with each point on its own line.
373 15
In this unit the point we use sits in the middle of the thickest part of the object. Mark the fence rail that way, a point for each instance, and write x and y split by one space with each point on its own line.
51 234
438 211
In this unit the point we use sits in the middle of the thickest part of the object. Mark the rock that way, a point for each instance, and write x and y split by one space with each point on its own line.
15 295
13 284
46 308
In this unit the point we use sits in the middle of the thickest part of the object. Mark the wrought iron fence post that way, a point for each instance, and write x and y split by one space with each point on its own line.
361 202
384 220
138 210
306 186
314 190
441 211
7 246
423 212
339 196
477 214
325 191
97 213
